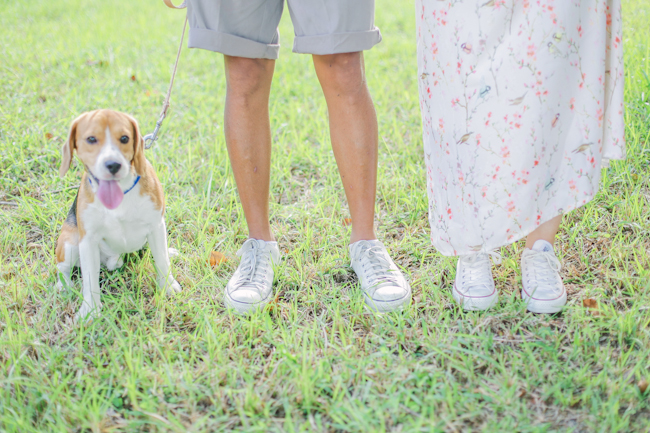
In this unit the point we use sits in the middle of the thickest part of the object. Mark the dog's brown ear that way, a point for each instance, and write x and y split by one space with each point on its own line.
67 151
139 161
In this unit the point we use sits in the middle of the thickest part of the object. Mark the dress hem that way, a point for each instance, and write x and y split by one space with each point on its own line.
519 236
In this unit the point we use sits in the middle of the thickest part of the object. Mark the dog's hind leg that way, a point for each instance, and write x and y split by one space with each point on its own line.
112 262
67 254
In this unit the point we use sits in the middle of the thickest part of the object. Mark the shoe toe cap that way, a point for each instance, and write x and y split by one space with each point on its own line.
245 296
479 291
389 293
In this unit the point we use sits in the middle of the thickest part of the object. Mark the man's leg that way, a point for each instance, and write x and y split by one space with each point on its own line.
248 137
353 131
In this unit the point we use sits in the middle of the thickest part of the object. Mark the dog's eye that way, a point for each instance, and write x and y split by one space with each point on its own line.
91 140
124 139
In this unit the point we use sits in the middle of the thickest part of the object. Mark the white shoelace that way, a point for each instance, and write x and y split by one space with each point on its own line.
376 267
253 268
477 269
543 269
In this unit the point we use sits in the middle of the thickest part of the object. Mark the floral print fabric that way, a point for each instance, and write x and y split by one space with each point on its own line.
522 104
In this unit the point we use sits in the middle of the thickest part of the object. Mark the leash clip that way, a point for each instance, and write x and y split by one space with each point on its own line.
150 139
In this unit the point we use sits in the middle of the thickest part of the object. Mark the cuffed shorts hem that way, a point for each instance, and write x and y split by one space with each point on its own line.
231 45
337 43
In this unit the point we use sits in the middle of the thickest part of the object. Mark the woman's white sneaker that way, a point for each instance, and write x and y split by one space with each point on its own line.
251 286
543 290
384 287
474 287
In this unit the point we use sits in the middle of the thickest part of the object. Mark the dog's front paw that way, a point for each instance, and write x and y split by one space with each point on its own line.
87 313
171 286
62 282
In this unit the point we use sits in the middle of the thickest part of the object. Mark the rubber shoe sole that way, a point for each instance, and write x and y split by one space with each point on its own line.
243 308
544 306
475 303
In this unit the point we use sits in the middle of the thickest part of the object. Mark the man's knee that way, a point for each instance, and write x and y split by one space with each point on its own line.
341 72
246 76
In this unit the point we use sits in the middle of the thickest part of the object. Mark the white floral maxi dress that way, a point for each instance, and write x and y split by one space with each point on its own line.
522 104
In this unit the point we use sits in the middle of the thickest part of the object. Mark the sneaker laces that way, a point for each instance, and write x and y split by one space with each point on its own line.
477 269
252 268
377 267
543 270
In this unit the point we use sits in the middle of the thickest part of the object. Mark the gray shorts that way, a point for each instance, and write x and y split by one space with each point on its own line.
249 28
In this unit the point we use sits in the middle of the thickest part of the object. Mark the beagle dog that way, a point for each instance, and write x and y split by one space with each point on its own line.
119 205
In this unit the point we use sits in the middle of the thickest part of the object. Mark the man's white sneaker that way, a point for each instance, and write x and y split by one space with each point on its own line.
474 287
543 290
251 287
383 285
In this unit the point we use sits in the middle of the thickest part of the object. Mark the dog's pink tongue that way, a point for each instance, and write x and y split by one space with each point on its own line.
110 193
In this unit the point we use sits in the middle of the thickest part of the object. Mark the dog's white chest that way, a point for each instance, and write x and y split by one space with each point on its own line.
125 229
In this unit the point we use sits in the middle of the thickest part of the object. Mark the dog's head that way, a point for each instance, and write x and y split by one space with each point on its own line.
109 144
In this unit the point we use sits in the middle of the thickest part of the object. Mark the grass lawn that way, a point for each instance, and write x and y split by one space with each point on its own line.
315 360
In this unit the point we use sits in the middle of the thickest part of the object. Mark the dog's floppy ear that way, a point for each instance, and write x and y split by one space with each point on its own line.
69 146
139 161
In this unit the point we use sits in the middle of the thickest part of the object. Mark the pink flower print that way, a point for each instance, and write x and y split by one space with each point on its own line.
572 185
531 51
505 152
572 103
510 208
496 170
466 47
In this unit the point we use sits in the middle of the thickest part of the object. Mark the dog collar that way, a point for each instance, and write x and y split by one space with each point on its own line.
135 182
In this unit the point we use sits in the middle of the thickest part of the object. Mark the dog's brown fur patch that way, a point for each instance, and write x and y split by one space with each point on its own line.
69 235
86 196
150 185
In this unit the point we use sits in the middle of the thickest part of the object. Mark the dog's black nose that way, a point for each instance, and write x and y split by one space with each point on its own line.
113 166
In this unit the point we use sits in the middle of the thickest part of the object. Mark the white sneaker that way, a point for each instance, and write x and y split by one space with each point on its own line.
474 287
251 287
543 290
384 287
